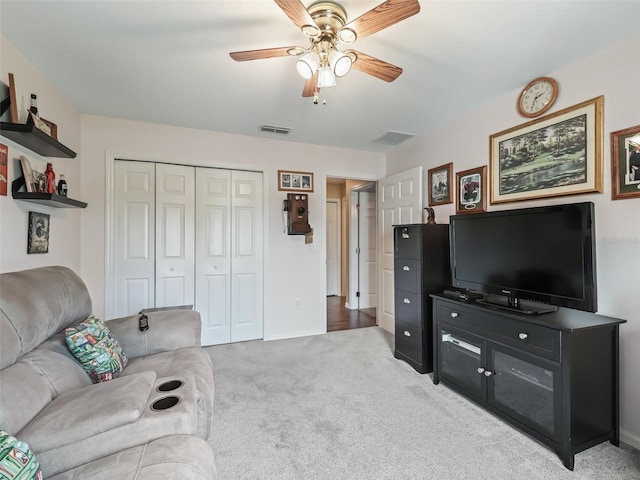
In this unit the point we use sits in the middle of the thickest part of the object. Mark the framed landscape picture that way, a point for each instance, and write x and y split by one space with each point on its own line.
625 163
471 190
439 181
560 154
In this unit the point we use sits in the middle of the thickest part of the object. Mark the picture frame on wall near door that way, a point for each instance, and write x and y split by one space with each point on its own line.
295 181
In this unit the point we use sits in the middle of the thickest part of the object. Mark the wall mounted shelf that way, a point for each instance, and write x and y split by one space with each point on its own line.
35 140
46 199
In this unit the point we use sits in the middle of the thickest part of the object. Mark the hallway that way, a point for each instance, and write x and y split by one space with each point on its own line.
341 318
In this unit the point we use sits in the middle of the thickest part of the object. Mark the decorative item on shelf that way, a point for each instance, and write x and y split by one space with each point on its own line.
50 177
34 119
625 163
12 98
538 97
439 181
62 186
472 190
27 174
431 216
559 154
38 235
4 176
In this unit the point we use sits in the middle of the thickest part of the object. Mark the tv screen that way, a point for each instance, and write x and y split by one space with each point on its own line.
541 254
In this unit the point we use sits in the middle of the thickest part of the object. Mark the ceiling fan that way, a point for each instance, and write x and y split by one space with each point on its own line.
324 23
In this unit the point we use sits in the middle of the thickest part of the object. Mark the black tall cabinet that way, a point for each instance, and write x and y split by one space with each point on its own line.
421 267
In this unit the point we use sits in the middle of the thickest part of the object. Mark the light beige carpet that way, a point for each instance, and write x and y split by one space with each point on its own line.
340 406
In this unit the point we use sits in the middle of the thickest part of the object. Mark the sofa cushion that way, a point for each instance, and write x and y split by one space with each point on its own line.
35 304
92 343
17 461
176 457
89 411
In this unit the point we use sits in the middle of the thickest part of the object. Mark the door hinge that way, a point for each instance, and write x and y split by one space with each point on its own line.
358 250
357 294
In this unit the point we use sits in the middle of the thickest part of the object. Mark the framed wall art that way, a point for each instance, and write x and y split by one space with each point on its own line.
38 235
625 163
471 189
4 175
439 181
295 181
559 154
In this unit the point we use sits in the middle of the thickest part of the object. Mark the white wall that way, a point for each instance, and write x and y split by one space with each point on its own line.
614 73
64 239
293 270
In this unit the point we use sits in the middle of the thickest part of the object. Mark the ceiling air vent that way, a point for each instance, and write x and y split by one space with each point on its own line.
393 138
274 129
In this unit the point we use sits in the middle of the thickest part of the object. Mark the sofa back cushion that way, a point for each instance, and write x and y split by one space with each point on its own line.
36 304
23 395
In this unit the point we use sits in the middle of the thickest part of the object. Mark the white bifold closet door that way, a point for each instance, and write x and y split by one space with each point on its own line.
191 236
229 252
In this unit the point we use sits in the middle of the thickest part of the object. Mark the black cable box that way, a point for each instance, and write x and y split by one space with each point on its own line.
465 295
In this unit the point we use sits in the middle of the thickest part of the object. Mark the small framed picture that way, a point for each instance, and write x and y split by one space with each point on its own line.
439 181
295 181
472 190
625 163
38 235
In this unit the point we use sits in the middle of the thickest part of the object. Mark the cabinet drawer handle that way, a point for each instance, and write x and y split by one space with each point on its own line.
406 300
523 336
405 268
480 370
407 333
454 314
488 373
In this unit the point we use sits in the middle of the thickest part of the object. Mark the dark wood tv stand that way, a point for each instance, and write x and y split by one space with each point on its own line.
553 376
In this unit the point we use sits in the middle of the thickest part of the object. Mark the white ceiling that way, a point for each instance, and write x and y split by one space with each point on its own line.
168 61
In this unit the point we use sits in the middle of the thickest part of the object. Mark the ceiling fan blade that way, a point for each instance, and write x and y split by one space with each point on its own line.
310 86
376 67
383 16
296 11
258 54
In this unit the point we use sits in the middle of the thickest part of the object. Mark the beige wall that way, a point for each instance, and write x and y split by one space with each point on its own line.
614 73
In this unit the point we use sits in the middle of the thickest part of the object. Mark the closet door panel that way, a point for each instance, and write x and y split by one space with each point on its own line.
134 244
213 254
175 223
247 256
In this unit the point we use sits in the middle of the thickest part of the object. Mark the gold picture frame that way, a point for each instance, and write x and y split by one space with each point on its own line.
295 181
625 163
559 154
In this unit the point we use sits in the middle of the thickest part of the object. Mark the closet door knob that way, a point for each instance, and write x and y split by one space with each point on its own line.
480 370
406 300
407 333
405 268
454 314
523 336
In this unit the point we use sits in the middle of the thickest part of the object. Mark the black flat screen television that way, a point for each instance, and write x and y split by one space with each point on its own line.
542 255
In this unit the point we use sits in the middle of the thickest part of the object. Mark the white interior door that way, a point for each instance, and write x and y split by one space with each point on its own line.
175 245
247 321
213 254
367 250
333 247
399 201
134 242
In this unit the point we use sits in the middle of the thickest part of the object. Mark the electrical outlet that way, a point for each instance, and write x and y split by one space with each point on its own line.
297 303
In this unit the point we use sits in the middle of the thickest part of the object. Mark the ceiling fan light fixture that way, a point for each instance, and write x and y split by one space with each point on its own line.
326 78
311 31
340 63
346 35
307 65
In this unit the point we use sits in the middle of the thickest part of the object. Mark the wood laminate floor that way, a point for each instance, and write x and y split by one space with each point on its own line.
341 318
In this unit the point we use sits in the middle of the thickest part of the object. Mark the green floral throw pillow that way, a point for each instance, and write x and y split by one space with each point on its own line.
17 461
92 343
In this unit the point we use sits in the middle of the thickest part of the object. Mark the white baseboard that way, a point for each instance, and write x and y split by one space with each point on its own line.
630 439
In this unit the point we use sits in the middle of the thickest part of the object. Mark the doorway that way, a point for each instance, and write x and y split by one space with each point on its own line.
351 254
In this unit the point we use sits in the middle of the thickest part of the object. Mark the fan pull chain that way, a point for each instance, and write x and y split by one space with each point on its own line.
315 99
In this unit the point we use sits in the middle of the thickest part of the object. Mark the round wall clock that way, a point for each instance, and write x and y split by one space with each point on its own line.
537 97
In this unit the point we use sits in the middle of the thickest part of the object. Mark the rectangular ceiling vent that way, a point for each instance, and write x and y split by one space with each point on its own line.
274 129
393 138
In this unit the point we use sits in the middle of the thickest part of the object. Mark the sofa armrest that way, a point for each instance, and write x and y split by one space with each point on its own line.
168 330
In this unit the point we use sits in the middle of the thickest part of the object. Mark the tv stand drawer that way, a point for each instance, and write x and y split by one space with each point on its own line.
536 339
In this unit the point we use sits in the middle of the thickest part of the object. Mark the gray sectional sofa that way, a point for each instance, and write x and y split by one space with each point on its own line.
153 421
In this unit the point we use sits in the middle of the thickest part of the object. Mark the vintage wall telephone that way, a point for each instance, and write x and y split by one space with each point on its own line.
297 207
